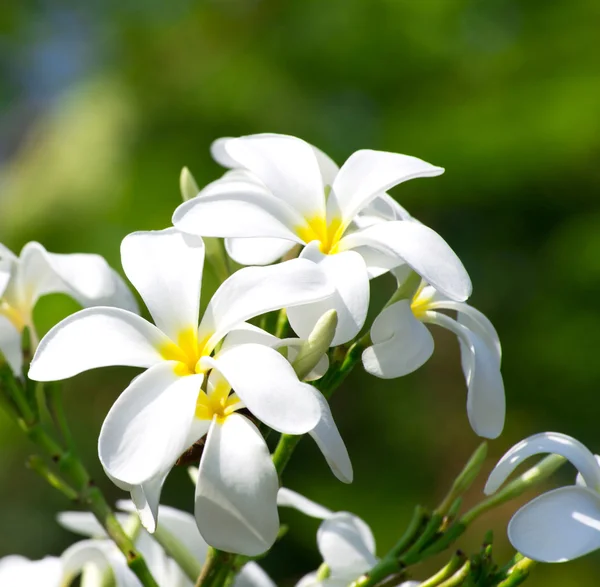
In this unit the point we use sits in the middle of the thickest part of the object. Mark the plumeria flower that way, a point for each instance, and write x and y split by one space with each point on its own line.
402 343
18 571
23 280
282 192
345 542
562 524
186 391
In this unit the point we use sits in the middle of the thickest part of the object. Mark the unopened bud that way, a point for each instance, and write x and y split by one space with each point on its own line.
316 345
188 185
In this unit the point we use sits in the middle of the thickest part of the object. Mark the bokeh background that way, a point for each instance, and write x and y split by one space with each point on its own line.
102 103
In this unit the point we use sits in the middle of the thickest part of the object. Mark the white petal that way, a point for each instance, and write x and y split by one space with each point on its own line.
253 291
86 278
7 266
248 333
269 388
257 251
10 345
18 571
309 580
579 480
146 429
486 402
286 165
377 262
366 174
236 493
558 526
546 442
422 249
288 498
146 498
346 272
219 152
96 337
401 343
293 348
165 266
384 207
329 441
346 544
252 575
84 523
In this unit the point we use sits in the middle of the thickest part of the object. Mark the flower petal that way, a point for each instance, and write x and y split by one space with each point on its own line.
253 291
84 523
486 402
346 544
366 174
401 343
419 247
248 333
96 337
288 498
558 526
288 166
329 441
252 575
346 272
165 266
146 498
146 429
17 570
546 442
269 388
10 345
86 278
257 251
236 493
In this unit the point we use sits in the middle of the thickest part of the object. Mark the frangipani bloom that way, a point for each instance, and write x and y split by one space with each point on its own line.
18 571
562 524
88 279
185 393
402 343
284 192
345 542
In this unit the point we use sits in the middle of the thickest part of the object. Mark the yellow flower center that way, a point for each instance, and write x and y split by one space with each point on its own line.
187 352
217 403
420 303
328 235
14 315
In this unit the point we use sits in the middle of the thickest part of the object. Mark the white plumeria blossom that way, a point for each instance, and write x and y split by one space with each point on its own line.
87 278
402 343
282 192
185 393
562 524
345 542
18 571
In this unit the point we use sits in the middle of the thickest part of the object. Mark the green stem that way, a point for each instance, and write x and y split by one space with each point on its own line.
282 323
178 552
518 573
57 411
445 572
459 577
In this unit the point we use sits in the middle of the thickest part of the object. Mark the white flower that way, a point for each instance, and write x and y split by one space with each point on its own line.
562 524
345 542
173 403
402 343
18 571
23 280
284 192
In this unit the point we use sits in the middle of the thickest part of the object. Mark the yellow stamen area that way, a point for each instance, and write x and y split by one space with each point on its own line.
187 352
15 317
316 228
420 304
217 403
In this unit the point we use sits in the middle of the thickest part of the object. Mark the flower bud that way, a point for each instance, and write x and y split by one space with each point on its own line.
316 345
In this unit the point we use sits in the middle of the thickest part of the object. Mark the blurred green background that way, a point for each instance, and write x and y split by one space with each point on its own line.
103 102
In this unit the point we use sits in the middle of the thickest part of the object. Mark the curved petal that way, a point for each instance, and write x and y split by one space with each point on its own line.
165 266
253 291
558 526
546 442
288 498
86 278
7 266
309 580
347 273
377 262
401 343
385 208
238 208
425 251
10 345
18 570
330 443
288 166
146 498
579 480
346 544
486 402
236 493
146 429
268 386
96 337
248 333
257 251
85 524
252 575
218 151
366 174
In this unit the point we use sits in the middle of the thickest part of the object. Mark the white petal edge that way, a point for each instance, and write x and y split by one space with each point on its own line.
236 492
257 251
401 343
252 575
292 499
546 442
17 570
96 337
